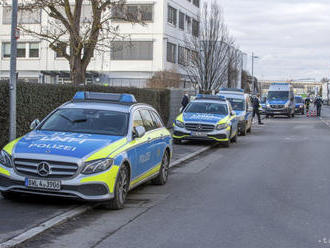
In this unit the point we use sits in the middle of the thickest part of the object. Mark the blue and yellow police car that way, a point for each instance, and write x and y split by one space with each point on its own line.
96 147
209 117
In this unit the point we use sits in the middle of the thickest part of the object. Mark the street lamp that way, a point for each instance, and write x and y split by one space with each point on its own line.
253 83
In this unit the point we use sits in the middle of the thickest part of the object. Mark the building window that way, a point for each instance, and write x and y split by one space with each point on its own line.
23 16
143 12
183 55
171 15
34 50
21 50
6 50
181 20
196 3
195 28
188 25
132 50
171 52
86 14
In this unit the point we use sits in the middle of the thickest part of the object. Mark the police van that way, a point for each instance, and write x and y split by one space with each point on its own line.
96 147
280 100
209 117
242 106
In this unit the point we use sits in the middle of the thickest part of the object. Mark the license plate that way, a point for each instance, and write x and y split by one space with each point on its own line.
199 134
43 184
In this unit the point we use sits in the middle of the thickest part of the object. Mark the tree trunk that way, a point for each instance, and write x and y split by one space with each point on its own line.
78 71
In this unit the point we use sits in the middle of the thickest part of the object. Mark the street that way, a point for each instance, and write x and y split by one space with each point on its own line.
269 190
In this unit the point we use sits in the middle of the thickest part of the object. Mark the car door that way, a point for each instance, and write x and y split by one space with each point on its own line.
147 157
161 139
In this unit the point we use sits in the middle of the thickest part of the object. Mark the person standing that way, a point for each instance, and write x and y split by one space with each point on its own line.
307 103
256 106
185 101
318 104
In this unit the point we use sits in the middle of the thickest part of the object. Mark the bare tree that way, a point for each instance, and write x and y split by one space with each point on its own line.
165 79
208 60
233 67
81 25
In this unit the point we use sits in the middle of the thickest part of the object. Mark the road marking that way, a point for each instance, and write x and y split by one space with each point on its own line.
325 122
35 231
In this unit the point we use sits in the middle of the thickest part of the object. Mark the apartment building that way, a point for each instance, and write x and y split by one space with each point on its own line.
157 45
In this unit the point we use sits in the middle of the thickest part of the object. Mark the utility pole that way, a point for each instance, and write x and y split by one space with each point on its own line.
13 76
253 83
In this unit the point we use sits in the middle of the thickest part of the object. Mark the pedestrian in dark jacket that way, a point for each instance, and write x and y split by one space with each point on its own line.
185 101
318 103
256 105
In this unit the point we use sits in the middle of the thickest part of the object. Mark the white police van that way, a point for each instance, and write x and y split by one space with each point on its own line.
280 100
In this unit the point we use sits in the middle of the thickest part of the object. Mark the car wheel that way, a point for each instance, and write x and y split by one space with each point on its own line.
243 132
234 139
177 141
9 195
121 190
293 115
162 177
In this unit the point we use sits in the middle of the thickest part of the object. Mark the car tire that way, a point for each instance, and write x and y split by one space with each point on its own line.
293 115
177 141
121 190
234 139
243 133
9 195
249 130
162 177
267 116
289 116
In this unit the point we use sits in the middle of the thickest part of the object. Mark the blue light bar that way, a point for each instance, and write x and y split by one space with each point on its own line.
210 97
98 96
232 90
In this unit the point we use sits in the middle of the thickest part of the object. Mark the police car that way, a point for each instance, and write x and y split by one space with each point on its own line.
208 117
96 147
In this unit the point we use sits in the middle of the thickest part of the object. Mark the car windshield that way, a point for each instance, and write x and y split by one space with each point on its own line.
87 121
237 104
298 100
207 108
278 95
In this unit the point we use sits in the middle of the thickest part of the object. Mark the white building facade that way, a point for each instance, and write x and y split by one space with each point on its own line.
158 45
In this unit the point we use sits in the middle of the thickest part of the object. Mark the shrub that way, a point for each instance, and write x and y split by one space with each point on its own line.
37 100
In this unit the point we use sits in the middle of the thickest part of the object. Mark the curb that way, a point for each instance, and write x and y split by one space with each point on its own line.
35 231
194 154
31 233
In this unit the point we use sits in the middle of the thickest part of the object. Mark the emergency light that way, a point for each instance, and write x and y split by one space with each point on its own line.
232 90
210 97
98 96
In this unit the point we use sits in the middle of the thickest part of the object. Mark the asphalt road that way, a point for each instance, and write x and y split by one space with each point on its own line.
269 190
18 216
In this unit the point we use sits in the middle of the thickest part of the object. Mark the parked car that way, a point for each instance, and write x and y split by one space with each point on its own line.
96 147
209 117
242 106
300 105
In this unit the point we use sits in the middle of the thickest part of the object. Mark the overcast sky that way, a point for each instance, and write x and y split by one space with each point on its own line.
291 37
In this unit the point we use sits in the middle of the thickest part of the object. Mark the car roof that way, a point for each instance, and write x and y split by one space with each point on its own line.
232 95
125 108
210 101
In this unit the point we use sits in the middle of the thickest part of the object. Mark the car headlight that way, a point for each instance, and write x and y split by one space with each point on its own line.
179 124
5 159
96 166
268 105
286 105
221 126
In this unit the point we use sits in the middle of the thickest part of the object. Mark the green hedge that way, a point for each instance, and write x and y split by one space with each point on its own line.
37 100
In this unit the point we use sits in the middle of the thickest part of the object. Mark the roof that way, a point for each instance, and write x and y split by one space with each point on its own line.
98 106
232 95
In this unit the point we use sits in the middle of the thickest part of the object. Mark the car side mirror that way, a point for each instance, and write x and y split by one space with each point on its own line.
34 124
139 132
